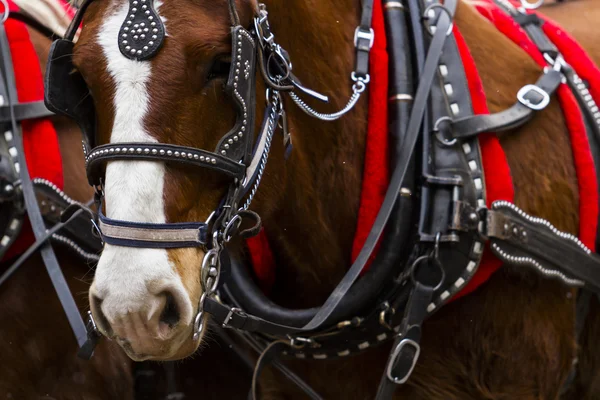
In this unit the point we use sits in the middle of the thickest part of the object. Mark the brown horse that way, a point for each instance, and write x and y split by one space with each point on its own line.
38 348
512 338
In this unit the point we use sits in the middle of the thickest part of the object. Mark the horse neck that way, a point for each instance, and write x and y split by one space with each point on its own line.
312 228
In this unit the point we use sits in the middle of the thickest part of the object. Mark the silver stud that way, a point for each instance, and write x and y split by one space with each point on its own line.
147 12
131 149
235 84
237 71
127 48
124 42
243 128
225 146
138 150
235 138
132 51
139 52
196 156
135 3
117 150
131 16
150 18
214 161
153 24
201 158
145 48
244 122
155 30
162 152
190 155
240 134
124 36
144 7
154 151
154 37
143 24
139 30
230 141
126 29
134 10
146 30
111 151
129 23
135 37
237 78
176 154
237 64
223 152
142 36
169 153
239 57
151 43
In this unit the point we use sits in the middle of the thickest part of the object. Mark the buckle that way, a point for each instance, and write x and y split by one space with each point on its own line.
527 89
407 350
361 34
229 317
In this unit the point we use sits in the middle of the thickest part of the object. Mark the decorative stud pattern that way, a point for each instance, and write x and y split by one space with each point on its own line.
139 150
142 33
588 99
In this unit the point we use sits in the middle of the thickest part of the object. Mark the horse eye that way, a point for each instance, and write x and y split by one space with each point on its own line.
219 69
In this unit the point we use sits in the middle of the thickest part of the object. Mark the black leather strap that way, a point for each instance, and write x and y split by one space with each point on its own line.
97 159
364 39
511 118
247 322
532 24
23 111
35 216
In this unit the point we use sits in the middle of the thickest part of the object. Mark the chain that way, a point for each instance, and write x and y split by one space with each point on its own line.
357 89
275 102
209 278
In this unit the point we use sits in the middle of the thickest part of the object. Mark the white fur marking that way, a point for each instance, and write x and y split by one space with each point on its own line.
134 189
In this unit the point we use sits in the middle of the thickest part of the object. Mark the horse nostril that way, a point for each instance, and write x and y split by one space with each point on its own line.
99 317
170 314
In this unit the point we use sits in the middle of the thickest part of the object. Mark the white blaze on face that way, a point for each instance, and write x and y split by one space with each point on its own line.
134 189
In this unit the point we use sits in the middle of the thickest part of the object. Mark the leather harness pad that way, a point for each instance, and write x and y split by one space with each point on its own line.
241 86
66 92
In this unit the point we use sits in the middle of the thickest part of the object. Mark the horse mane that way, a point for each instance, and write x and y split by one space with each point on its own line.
52 14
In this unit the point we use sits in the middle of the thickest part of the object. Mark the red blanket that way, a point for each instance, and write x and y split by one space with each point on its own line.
39 136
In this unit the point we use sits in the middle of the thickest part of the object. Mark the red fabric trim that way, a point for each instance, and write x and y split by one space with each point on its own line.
498 182
579 60
376 171
40 140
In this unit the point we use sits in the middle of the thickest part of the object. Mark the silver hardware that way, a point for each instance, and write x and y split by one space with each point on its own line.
230 316
390 367
393 4
401 97
438 134
360 34
527 103
531 6
444 9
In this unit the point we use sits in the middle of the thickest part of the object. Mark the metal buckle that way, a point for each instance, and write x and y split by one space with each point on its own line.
527 103
233 310
360 34
393 360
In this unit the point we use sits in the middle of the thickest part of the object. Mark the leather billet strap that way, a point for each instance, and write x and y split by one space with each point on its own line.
146 235
520 239
240 320
25 111
531 99
35 217
363 40
96 160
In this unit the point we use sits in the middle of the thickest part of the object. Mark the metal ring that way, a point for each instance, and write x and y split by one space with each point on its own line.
418 261
233 224
438 135
441 6
532 6
6 10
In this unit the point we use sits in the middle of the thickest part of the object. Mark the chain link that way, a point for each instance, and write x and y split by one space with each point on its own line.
357 89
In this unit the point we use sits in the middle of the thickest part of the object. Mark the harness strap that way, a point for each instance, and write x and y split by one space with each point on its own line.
25 111
532 24
35 217
531 98
240 320
363 39
521 239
